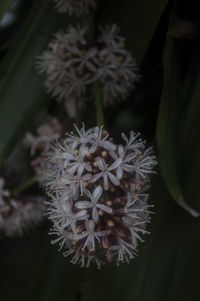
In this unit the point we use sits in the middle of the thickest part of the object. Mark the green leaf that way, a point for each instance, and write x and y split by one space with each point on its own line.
167 121
4 4
21 88
137 21
33 269
179 102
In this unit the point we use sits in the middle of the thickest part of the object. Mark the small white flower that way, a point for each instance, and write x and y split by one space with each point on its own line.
61 212
93 203
90 234
98 140
125 162
106 173
125 251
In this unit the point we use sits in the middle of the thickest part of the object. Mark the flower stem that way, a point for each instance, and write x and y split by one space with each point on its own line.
99 108
25 185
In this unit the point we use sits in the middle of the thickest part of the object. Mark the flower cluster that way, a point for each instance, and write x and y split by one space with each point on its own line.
117 71
41 143
72 63
98 200
76 7
17 216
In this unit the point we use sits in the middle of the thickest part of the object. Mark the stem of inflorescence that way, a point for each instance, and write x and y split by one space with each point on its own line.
89 22
98 103
25 185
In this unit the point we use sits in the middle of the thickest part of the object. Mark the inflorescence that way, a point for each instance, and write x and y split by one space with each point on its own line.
98 200
72 63
18 215
41 142
75 7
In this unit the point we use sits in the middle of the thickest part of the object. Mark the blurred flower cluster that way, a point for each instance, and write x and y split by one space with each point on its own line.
18 215
73 62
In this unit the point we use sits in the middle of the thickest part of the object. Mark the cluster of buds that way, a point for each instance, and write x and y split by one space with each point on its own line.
17 216
72 63
98 200
75 7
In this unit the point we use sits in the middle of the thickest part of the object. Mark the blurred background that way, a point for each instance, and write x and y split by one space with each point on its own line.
164 38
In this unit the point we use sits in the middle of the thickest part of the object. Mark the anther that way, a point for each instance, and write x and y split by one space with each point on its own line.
105 133
89 155
66 55
104 154
109 203
100 212
138 187
95 164
110 223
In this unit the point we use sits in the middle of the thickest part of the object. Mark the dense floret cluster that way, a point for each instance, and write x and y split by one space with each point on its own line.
72 63
98 200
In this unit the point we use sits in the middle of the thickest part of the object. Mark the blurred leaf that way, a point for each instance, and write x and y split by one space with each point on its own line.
32 269
180 101
4 4
137 21
167 121
21 88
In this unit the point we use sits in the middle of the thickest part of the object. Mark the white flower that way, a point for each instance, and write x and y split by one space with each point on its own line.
73 63
100 140
114 42
61 211
83 137
123 160
93 203
106 173
125 251
24 215
117 70
68 64
90 234
98 202
18 216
